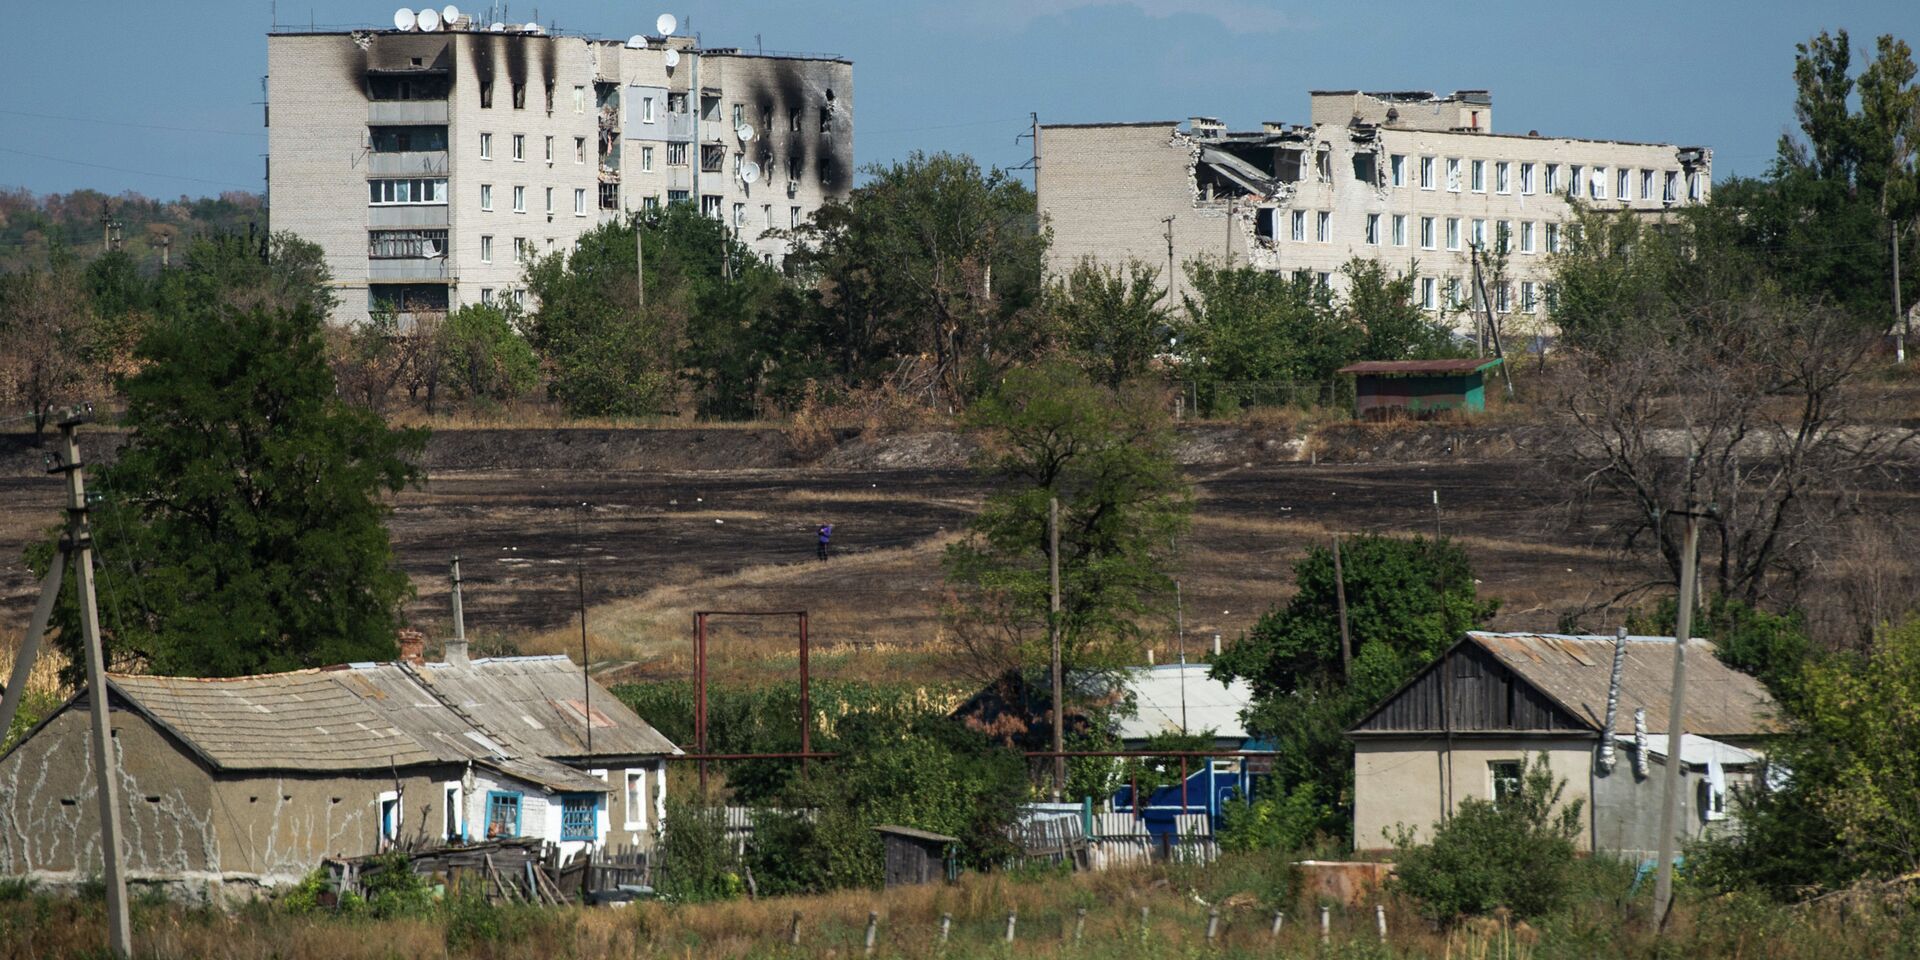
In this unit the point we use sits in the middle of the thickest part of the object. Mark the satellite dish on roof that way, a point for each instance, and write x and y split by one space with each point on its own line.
449 15
637 42
667 24
498 28
429 20
403 19
672 58
534 28
746 132
749 172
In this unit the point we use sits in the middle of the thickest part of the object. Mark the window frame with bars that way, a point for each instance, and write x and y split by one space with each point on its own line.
579 813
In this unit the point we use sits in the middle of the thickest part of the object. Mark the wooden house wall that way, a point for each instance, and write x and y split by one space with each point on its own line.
1485 694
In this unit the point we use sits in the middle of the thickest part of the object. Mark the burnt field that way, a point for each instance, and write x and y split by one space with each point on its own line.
654 543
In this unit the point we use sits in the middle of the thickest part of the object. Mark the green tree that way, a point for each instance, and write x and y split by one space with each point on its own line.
607 356
485 360
1407 601
932 257
1515 852
1113 321
1107 455
1395 326
1256 325
241 527
278 270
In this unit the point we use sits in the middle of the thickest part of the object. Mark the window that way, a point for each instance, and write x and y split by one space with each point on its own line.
390 193
679 196
676 154
1696 190
519 199
1399 229
450 821
1453 291
1646 184
1299 225
1426 173
486 196
610 196
1373 228
766 215
646 159
793 217
1453 233
650 204
486 146
519 297
1553 238
389 819
1323 165
519 96
1526 236
577 811
1526 178
1398 162
1504 778
1323 280
1529 299
1453 174
486 248
1502 179
519 146
713 157
580 201
1426 293
406 244
1573 180
1713 793
486 95
549 149
1553 178
739 115
1426 233
486 294
1598 190
503 811
635 803
549 201
1624 191
677 103
1501 294
1479 169
1503 236
521 250
579 99
646 110
406 139
1672 189
710 205
1323 227
1477 235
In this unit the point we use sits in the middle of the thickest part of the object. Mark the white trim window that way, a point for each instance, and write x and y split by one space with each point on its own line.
1526 179
1696 187
1502 177
1298 228
1427 298
486 196
579 201
486 248
1624 185
1526 236
1373 229
1479 170
407 192
519 199
1672 192
1453 292
390 818
1478 234
634 799
1552 183
1575 174
549 150
1323 227
520 147
1553 238
1453 174
1426 233
1426 173
549 201
1398 163
1399 229
646 159
453 815
579 99
1503 236
1453 233
1529 298
1502 296
486 146
1646 185
1598 191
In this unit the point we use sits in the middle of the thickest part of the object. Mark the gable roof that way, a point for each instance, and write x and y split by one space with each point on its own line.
1573 672
380 716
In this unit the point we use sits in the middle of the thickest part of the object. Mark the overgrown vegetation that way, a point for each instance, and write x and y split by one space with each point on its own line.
1514 852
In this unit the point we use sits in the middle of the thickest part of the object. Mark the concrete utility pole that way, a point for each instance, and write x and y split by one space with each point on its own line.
459 615
166 250
1899 315
1180 630
1168 221
1053 635
1676 721
1340 601
639 261
1493 325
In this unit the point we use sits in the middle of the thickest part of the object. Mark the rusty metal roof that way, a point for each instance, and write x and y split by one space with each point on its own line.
1420 368
379 716
1575 672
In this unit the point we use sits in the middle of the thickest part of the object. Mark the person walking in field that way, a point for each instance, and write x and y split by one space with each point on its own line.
826 534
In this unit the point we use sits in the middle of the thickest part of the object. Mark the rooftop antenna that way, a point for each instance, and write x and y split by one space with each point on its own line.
637 42
749 171
666 24
404 20
429 19
450 16
672 59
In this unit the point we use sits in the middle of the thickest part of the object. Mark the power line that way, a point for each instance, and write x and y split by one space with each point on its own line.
940 126
142 126
144 173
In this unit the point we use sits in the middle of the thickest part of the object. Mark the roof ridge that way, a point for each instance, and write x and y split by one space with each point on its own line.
420 681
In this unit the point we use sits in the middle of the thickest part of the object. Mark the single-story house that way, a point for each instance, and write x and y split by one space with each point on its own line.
1387 389
250 781
1465 726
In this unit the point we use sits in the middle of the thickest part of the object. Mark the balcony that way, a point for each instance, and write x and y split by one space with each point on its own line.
409 215
679 127
393 112
413 163
407 269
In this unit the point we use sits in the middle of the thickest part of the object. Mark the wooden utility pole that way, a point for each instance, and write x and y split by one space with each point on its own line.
1053 636
1340 601
1676 721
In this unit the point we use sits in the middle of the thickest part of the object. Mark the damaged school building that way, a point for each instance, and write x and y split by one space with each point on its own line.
231 785
432 166
1416 181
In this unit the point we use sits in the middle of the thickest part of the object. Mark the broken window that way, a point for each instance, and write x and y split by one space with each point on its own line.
609 196
1671 192
1504 777
406 244
1286 165
486 94
549 99
519 96
1365 165
1266 224
676 103
1575 174
1453 174
416 86
713 157
709 109
793 217
710 205
1696 189
739 115
579 149
1323 164
579 99
795 167
407 139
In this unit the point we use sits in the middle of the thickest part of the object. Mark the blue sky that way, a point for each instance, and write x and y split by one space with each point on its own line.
163 97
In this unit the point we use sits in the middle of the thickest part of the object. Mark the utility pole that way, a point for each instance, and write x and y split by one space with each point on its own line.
639 261
1340 602
166 250
1180 629
459 615
586 679
1053 635
1676 720
1899 315
1168 221
1493 325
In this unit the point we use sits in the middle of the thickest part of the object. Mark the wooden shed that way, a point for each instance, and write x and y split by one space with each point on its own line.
914 856
1386 389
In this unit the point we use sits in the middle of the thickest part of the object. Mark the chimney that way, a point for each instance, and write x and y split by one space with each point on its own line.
457 652
413 646
1216 644
1613 701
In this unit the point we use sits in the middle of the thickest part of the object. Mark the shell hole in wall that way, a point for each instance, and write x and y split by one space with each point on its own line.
67 801
153 798
335 800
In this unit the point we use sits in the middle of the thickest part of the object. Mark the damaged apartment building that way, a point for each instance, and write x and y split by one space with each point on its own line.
1419 182
432 165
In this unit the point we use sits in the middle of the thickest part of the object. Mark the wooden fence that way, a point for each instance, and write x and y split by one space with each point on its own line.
1117 839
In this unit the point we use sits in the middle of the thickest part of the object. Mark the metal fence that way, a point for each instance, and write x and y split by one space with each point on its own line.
1214 398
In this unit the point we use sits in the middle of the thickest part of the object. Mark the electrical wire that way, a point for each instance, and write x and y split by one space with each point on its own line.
144 173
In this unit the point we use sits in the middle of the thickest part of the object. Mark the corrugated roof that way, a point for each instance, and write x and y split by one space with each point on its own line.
1575 672
1698 751
504 714
1210 704
1416 368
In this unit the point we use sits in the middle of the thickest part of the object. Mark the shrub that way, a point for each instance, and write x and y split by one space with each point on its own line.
1515 853
393 889
697 861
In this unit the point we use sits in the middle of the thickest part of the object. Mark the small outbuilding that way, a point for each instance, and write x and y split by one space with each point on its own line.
915 856
1418 389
